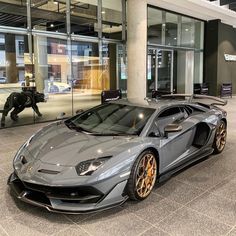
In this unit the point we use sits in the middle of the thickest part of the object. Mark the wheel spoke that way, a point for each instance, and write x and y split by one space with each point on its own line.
220 139
146 175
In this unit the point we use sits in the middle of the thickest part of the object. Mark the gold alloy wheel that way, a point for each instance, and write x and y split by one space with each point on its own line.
146 175
221 137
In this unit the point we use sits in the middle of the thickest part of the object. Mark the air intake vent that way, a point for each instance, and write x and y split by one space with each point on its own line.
50 172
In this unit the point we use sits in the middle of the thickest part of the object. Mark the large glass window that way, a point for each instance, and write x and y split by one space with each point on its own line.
14 67
13 13
84 17
87 74
112 19
49 15
171 29
155 26
51 52
183 36
187 32
51 72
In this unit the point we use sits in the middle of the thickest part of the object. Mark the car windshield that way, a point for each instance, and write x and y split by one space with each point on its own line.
112 119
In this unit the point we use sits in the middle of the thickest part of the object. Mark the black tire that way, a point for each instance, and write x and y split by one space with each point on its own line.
149 174
220 138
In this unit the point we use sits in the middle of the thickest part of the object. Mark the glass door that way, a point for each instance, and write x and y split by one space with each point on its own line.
160 71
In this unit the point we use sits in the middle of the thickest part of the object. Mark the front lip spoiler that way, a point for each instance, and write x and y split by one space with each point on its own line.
22 195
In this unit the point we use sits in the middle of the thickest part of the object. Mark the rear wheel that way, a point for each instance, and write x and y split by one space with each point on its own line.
143 176
220 138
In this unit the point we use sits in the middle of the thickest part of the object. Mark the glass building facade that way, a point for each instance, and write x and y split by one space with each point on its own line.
175 51
71 50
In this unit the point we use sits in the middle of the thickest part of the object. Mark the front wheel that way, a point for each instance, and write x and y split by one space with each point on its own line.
220 138
143 176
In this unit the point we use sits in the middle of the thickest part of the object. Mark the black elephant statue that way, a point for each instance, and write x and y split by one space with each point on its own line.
19 101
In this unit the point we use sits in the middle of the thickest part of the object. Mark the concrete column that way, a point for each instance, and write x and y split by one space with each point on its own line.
185 59
10 49
136 49
41 62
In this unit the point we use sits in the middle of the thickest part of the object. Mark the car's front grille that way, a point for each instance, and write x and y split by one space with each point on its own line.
42 194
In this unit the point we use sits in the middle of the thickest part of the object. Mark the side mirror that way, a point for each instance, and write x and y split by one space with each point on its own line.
171 128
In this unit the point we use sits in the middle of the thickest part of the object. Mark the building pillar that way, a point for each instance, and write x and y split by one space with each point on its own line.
10 50
40 62
136 49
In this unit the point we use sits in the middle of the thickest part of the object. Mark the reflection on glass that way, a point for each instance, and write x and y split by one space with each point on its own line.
84 17
151 71
17 18
171 29
112 19
89 74
199 34
49 15
122 69
164 62
187 32
154 26
13 70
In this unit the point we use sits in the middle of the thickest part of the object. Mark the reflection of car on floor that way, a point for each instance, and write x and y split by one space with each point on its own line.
115 151
55 87
3 80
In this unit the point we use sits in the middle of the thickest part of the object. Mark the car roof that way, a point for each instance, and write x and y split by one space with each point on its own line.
152 103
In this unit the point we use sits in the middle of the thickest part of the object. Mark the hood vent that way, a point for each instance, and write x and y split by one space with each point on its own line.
50 172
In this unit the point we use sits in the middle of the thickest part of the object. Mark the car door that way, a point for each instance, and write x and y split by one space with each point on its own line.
175 147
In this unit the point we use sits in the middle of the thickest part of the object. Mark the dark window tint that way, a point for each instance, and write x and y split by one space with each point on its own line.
170 112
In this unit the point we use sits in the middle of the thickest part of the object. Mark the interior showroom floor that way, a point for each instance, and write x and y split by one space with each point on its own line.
200 200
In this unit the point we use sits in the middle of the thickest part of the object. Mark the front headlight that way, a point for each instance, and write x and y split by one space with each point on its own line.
88 167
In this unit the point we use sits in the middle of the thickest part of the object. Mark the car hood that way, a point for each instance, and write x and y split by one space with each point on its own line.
61 146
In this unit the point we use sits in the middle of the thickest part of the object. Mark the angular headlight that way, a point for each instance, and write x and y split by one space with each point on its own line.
88 167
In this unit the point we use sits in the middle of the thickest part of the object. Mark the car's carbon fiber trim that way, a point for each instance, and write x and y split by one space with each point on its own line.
25 195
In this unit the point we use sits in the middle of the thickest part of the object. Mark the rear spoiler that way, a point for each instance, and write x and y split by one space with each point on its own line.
191 97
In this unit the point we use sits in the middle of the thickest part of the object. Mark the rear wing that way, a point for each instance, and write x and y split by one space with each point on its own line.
210 100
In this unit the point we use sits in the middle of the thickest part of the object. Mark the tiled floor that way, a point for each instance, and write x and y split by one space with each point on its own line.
198 201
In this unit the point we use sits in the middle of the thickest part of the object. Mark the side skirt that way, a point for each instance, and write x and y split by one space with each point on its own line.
166 175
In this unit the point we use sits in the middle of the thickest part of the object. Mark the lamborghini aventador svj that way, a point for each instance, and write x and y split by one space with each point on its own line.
118 150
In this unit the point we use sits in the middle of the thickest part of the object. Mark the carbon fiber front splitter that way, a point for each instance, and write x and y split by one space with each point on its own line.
110 200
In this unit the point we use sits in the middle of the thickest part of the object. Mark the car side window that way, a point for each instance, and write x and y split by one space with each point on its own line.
168 116
169 112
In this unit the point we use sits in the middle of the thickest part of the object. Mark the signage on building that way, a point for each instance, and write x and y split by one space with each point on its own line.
229 57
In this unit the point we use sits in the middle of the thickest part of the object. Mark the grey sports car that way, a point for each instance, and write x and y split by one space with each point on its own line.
118 150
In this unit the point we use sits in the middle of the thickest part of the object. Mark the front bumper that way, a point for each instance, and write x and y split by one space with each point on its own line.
70 200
